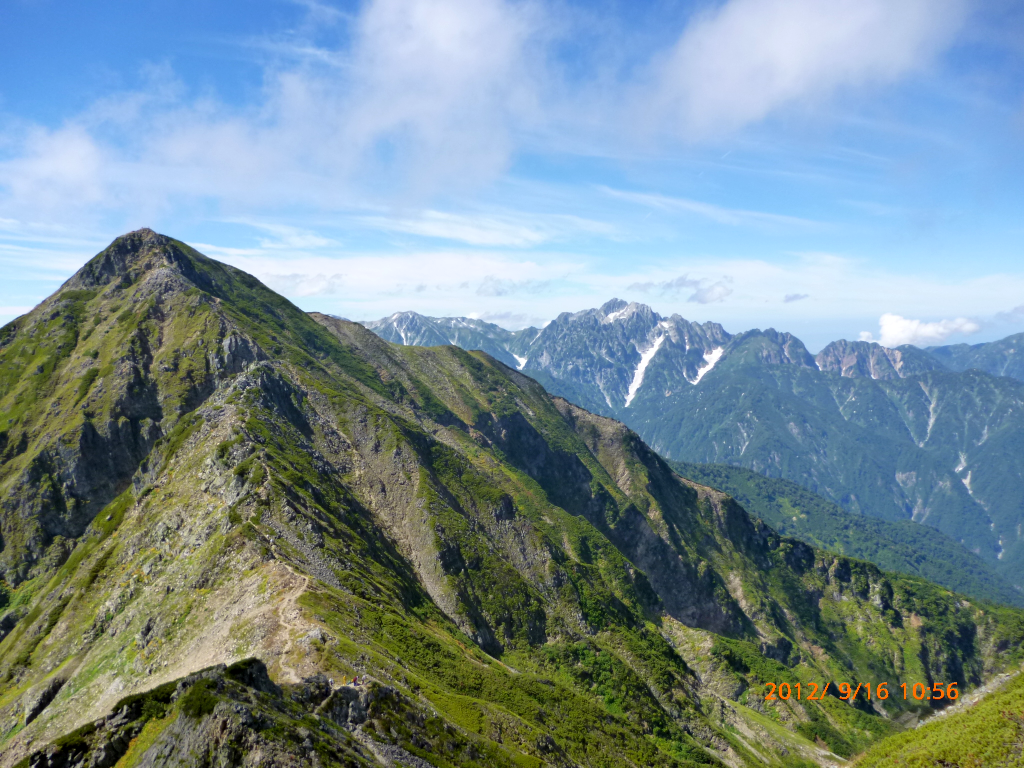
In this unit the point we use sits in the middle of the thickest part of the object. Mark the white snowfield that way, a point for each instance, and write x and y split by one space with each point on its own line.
638 377
711 357
521 360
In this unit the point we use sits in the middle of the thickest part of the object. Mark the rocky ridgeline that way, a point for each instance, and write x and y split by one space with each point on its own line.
928 435
220 476
235 715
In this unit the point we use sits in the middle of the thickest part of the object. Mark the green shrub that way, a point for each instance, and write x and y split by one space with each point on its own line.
86 383
76 738
199 700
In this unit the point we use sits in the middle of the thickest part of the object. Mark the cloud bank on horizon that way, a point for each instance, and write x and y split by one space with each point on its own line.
895 331
758 161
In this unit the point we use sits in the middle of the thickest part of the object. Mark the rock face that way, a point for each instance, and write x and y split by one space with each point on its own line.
115 362
930 436
229 716
510 578
870 360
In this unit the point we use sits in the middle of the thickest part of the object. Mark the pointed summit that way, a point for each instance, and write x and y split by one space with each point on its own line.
611 306
133 254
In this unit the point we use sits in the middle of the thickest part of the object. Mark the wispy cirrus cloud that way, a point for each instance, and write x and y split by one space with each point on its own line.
490 228
413 96
746 59
717 213
704 291
380 120
495 286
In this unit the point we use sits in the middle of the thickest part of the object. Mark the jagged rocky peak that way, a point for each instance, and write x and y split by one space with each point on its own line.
618 310
868 359
409 328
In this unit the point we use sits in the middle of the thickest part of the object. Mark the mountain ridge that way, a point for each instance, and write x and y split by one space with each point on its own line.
508 574
893 433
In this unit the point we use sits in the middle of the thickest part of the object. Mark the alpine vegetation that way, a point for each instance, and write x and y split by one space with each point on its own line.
237 534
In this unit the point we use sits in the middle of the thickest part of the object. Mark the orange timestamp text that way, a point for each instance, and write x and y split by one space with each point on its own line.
846 691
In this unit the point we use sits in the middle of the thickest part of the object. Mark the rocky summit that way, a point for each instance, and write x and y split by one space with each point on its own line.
237 534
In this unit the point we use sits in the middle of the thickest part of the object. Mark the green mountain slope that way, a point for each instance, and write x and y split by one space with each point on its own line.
901 546
999 358
513 580
939 448
987 733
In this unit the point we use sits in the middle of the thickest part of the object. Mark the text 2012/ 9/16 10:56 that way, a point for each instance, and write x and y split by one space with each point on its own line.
847 692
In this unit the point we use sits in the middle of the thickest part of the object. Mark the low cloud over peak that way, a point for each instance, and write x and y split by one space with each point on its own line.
895 330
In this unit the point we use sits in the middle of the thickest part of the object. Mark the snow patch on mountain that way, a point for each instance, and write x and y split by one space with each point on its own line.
711 357
521 360
963 463
638 377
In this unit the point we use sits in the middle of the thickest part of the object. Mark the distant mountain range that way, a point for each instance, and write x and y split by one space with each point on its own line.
931 435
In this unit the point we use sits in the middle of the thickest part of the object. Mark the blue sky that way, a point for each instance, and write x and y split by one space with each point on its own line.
829 168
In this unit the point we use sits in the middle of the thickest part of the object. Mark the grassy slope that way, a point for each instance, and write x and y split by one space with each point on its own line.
894 546
990 733
470 541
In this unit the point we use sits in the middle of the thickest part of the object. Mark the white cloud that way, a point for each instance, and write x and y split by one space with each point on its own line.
748 58
428 94
445 83
895 330
704 291
300 285
57 168
493 286
472 230
513 321
385 279
720 214
1015 315
490 229
441 94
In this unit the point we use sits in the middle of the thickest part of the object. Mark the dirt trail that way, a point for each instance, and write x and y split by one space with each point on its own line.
289 614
